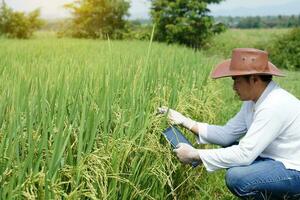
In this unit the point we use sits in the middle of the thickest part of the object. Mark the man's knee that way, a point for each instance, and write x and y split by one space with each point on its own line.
236 181
232 178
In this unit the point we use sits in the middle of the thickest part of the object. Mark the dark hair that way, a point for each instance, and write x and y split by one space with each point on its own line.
264 77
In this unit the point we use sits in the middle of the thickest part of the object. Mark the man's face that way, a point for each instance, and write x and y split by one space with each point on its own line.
243 87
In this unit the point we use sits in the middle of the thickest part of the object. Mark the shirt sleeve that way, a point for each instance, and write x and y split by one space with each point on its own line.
224 135
265 128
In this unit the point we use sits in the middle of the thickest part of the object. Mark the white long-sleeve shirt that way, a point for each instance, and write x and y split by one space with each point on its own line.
268 128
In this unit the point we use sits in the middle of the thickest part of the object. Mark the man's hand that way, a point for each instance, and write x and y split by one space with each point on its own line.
176 118
186 153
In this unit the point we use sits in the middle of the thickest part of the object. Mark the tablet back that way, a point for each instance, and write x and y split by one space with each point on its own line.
174 136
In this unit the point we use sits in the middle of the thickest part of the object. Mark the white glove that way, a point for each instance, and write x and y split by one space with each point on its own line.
186 153
177 118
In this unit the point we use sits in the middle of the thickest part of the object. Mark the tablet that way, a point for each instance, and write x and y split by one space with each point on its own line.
174 137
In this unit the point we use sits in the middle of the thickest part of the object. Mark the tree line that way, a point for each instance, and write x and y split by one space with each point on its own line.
279 21
182 21
186 22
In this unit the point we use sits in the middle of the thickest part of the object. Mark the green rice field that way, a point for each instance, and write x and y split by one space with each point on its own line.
78 117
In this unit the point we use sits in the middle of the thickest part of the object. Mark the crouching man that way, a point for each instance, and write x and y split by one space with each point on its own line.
266 160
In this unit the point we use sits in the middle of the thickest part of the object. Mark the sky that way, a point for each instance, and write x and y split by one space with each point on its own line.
53 9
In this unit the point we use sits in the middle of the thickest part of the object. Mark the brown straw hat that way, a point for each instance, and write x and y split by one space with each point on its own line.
246 61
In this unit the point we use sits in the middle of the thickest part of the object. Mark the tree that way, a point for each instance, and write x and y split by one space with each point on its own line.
4 14
18 24
285 50
98 18
250 22
184 21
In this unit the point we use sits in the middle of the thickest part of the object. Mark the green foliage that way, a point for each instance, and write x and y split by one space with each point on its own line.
98 18
222 44
18 24
250 22
138 31
285 50
183 21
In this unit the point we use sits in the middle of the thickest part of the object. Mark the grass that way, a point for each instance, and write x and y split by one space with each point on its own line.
291 82
78 117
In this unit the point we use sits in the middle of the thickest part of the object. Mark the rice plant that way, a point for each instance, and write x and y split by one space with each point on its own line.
78 119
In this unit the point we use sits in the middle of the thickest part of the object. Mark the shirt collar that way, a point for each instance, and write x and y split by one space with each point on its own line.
265 93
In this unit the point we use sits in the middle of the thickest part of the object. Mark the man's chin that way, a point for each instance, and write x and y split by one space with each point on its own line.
243 99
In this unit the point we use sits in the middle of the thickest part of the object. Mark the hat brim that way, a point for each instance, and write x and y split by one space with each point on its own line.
223 70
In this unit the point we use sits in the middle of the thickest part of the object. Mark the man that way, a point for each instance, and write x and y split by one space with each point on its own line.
266 160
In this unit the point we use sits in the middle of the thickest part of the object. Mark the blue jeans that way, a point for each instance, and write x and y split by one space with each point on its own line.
264 179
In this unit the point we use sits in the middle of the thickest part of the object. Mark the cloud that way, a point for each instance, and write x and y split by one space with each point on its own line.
139 9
